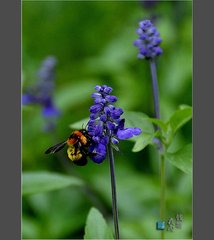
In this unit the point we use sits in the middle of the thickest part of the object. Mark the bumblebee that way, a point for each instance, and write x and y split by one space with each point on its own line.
78 144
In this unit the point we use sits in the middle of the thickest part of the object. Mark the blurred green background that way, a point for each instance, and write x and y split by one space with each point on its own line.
93 43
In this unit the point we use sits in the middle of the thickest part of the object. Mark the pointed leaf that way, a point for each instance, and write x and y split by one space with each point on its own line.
180 118
182 159
142 142
159 123
140 120
37 182
80 124
96 226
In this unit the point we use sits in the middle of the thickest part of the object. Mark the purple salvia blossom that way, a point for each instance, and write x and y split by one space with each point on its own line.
149 40
42 92
105 124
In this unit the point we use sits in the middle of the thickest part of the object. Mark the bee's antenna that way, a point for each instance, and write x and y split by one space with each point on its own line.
85 126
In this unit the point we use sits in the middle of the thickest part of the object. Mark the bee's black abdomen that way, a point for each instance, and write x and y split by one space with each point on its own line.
81 162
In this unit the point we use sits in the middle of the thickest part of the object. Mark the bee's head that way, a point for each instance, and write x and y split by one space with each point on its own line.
83 131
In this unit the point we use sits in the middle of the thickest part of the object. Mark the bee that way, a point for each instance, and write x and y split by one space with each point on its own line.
78 144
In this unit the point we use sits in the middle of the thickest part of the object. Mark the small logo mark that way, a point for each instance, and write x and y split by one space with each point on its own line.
178 219
170 224
160 225
174 222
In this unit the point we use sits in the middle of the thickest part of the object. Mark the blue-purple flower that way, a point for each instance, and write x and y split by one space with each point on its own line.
148 3
42 92
148 41
106 125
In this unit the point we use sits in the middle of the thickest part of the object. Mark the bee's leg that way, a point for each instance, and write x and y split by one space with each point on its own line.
76 148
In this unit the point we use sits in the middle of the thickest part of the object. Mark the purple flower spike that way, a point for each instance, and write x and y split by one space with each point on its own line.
106 125
49 110
99 152
28 99
149 40
42 92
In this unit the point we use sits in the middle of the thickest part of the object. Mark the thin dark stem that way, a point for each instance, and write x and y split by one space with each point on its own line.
160 148
155 88
113 189
163 186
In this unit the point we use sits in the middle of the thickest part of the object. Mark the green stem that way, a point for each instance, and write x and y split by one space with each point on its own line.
163 190
155 88
160 147
113 189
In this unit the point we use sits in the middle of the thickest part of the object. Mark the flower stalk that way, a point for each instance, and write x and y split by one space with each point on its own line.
162 160
155 88
163 190
148 45
107 128
114 192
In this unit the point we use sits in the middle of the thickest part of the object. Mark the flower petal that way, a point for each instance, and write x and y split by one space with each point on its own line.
96 108
128 133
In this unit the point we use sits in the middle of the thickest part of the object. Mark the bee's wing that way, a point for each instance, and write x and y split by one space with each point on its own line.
56 148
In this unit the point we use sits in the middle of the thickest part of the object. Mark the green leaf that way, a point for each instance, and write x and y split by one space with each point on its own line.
176 121
37 182
68 96
184 106
140 120
159 123
180 118
163 132
30 228
96 226
182 159
142 142
80 124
